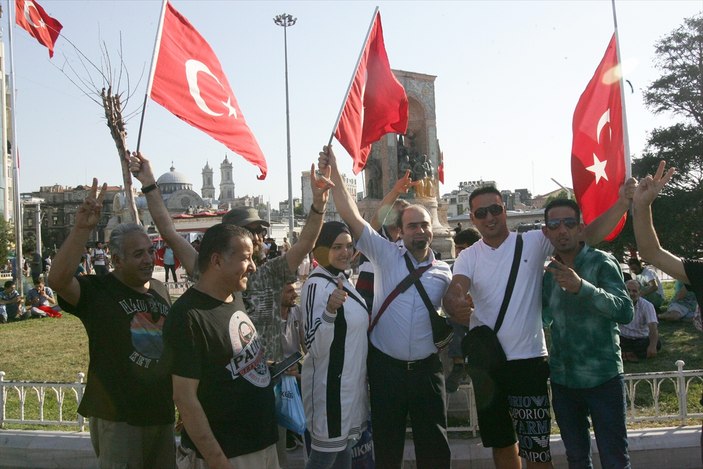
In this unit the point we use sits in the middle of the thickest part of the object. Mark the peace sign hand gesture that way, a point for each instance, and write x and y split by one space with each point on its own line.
88 213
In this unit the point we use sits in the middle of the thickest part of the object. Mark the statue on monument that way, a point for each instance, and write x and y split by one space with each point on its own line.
373 178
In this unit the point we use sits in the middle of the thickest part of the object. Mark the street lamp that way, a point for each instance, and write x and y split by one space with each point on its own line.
285 20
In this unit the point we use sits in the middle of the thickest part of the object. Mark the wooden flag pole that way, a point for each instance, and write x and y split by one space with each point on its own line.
351 82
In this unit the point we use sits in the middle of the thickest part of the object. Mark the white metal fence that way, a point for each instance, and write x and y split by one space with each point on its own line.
652 397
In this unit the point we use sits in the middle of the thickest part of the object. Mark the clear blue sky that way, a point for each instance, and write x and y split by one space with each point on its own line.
509 75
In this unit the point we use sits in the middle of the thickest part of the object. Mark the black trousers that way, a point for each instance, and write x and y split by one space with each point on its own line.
399 389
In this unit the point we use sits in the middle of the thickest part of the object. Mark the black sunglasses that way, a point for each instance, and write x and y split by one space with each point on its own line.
483 212
569 222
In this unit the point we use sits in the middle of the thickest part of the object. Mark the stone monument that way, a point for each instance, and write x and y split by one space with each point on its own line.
417 151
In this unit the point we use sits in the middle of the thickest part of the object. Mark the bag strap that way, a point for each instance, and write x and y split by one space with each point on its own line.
334 280
400 288
511 283
420 288
161 289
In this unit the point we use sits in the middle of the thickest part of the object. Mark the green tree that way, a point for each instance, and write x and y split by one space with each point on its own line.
5 240
678 92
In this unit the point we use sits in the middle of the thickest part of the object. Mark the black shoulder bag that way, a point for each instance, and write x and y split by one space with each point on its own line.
481 346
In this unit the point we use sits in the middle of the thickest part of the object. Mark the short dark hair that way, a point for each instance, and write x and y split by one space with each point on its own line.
401 211
9 284
217 241
484 190
467 237
634 261
570 203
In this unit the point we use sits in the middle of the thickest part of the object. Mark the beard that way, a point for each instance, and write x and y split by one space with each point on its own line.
420 244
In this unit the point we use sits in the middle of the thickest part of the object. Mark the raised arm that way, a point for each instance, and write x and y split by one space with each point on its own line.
401 186
141 168
647 240
320 193
598 229
343 201
61 276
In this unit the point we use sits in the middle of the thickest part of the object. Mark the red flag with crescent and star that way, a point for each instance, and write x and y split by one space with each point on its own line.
598 150
31 17
190 83
376 104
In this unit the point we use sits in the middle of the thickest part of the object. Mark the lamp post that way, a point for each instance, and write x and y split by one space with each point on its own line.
285 20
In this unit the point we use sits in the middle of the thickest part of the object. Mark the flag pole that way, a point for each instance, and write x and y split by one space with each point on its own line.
150 82
17 205
625 135
351 82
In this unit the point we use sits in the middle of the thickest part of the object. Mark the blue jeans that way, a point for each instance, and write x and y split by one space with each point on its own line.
338 460
606 405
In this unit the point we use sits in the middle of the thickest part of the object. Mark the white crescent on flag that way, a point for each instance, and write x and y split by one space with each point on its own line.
28 16
193 67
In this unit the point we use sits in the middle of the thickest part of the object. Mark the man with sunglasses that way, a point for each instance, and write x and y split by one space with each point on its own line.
518 410
583 300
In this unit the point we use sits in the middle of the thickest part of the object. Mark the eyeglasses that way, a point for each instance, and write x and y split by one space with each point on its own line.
569 222
483 212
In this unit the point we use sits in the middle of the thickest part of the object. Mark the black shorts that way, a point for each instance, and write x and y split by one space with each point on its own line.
513 406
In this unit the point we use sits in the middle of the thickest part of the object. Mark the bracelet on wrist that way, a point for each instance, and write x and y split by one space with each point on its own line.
149 188
313 209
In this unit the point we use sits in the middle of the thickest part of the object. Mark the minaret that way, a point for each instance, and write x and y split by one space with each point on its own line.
226 182
208 189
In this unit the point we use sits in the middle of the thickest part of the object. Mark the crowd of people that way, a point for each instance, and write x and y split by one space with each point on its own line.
371 348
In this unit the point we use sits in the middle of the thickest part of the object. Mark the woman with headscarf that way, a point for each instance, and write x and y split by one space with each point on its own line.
334 386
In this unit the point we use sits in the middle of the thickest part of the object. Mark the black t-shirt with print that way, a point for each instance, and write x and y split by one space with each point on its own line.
209 340
127 380
694 272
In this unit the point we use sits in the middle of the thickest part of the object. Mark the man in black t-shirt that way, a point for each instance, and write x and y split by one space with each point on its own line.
128 392
221 382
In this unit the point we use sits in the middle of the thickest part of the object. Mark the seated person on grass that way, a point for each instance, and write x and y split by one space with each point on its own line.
650 286
42 301
683 305
9 303
640 338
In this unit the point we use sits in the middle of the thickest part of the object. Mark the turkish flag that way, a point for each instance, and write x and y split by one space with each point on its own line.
42 27
440 168
190 83
597 152
376 104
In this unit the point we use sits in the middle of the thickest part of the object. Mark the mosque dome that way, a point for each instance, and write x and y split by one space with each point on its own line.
173 181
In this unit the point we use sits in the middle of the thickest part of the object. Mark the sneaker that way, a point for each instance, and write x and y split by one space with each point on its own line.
456 376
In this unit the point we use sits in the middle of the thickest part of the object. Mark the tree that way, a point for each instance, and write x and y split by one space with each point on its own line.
678 212
6 238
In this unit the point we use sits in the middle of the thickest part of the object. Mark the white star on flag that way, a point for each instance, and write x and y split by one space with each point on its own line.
598 168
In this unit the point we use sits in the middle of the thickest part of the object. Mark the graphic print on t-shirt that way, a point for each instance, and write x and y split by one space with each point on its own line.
146 327
247 353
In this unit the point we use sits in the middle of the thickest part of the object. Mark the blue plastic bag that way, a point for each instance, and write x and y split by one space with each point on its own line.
289 405
362 452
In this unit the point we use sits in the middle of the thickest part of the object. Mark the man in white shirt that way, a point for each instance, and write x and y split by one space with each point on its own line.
404 369
640 338
651 288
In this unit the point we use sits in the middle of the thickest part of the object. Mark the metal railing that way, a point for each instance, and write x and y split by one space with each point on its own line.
659 396
18 393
